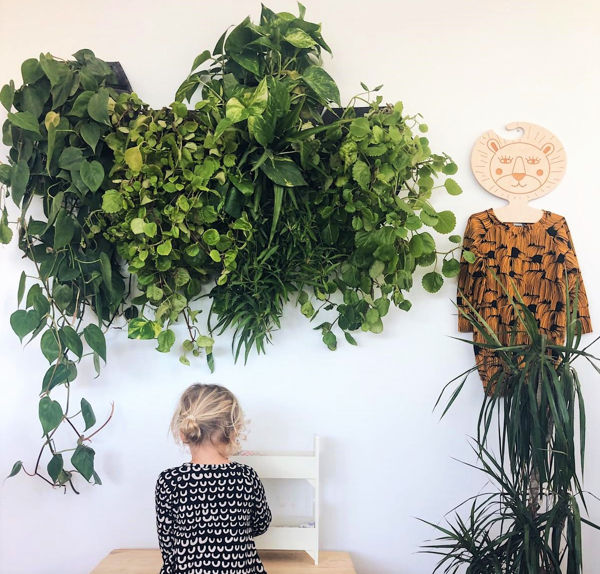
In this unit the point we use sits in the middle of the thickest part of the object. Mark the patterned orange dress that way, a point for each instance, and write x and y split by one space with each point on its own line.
535 256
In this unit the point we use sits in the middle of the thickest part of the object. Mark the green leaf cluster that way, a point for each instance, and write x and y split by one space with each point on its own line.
252 196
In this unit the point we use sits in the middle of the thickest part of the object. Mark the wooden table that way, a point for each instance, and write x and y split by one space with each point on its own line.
149 561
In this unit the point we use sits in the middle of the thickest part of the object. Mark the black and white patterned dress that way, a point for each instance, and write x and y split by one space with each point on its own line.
207 516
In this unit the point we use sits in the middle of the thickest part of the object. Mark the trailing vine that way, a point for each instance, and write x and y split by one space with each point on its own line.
261 194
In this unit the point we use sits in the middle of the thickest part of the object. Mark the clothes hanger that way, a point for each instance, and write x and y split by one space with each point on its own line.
519 169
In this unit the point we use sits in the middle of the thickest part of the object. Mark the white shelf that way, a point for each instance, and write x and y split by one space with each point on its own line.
293 522
287 538
287 532
282 466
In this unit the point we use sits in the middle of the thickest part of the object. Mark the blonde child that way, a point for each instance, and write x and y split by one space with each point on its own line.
209 509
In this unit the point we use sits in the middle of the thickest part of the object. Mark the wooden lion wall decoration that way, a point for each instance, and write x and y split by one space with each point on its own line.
519 170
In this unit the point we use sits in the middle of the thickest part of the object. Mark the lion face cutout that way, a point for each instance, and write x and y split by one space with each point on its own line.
529 167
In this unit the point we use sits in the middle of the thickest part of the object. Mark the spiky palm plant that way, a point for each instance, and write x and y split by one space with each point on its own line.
530 523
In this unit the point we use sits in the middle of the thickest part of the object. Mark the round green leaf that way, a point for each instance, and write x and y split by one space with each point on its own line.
166 340
432 282
150 229
452 187
426 259
307 309
430 219
182 276
385 252
112 201
450 267
361 174
164 248
446 222
450 168
211 236
468 256
204 341
137 225
154 293
376 269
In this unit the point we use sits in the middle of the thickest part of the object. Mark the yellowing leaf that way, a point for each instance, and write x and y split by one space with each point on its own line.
133 159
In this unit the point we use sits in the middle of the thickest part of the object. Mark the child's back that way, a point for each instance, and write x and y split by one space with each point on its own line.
208 514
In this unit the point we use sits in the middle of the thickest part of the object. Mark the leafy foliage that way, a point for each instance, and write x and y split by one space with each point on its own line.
531 522
265 200
58 165
252 198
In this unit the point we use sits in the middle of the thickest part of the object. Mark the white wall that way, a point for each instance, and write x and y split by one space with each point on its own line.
467 66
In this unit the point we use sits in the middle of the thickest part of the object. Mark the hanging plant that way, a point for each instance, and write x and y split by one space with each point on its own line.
261 194
58 161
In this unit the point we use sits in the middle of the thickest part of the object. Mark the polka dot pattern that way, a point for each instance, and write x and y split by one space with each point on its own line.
207 516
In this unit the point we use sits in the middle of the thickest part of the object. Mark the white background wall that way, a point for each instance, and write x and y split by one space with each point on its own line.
467 66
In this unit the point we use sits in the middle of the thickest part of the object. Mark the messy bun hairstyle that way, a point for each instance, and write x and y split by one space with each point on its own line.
209 413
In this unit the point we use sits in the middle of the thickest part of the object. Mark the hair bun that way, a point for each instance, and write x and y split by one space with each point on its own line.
208 412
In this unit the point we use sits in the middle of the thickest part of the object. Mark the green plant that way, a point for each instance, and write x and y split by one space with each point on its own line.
531 522
250 200
267 198
58 161
502 534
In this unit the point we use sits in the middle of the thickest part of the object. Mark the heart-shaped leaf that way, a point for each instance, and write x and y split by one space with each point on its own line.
50 414
92 174
83 460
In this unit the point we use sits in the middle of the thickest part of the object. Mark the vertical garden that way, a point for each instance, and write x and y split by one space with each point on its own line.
264 192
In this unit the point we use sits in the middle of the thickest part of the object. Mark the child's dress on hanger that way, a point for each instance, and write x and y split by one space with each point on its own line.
537 257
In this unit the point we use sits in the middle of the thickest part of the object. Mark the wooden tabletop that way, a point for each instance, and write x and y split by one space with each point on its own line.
149 561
